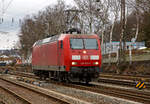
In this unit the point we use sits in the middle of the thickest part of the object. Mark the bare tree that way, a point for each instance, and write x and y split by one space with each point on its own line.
48 22
104 20
92 15
87 14
139 6
95 16
115 8
121 49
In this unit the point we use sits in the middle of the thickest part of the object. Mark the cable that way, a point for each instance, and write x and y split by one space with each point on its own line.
8 6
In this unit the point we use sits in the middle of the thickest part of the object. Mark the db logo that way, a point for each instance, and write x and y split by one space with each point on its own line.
85 57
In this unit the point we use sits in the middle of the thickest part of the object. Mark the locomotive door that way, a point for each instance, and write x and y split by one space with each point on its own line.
59 51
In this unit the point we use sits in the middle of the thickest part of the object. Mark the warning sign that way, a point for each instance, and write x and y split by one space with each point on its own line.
140 85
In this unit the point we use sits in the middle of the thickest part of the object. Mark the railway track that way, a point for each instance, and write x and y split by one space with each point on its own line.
123 80
23 100
23 74
126 77
27 95
128 83
134 95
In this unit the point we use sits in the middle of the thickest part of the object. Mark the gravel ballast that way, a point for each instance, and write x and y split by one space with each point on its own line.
88 96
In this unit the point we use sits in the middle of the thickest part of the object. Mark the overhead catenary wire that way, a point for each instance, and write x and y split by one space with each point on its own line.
32 11
5 9
6 4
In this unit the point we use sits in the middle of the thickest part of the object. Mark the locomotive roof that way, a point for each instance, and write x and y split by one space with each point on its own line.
83 36
62 36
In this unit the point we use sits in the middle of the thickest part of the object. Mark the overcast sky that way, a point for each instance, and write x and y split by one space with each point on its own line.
24 7
18 9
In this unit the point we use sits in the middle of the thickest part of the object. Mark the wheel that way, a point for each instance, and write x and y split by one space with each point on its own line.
87 82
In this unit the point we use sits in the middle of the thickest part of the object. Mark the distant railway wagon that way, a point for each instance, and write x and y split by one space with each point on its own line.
2 63
67 57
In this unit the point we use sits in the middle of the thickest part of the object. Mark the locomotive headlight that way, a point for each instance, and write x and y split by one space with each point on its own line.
84 52
96 63
74 63
94 57
76 57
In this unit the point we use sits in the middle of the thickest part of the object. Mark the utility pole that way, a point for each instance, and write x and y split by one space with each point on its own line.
90 24
137 19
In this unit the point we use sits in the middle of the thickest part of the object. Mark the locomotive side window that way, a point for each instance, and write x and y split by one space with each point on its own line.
76 43
90 44
61 44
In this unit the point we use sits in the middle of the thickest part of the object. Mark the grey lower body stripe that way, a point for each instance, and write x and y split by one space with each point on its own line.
50 68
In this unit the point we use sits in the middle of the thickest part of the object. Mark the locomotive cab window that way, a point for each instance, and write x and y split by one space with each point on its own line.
90 44
83 43
76 43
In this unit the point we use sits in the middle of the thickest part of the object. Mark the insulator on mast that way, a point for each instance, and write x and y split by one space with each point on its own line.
1 20
12 20
19 21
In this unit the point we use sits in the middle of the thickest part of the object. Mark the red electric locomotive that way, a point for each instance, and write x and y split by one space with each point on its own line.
67 57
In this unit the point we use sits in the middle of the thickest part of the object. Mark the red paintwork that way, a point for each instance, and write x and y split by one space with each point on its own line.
49 54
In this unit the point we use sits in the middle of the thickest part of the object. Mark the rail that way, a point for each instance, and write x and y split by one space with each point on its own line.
25 101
